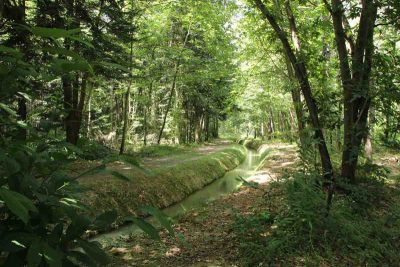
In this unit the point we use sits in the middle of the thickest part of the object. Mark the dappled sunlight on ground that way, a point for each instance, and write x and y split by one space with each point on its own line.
262 177
208 231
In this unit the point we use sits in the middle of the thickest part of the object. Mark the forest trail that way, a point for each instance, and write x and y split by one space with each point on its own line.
208 231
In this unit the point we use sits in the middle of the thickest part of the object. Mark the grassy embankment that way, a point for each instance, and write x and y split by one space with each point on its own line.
160 186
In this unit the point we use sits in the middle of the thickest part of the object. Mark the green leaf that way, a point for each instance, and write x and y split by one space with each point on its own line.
105 219
53 32
17 204
12 166
52 256
11 51
34 256
15 241
112 66
94 251
66 66
182 240
161 217
145 227
62 51
82 41
8 110
4 70
79 225
247 183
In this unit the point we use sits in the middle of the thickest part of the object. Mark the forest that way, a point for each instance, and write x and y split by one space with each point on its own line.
199 133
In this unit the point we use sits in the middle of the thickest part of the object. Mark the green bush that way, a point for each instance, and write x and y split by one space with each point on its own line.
91 150
63 151
359 230
42 220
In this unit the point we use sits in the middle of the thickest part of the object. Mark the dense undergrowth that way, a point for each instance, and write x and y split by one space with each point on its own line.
362 228
160 187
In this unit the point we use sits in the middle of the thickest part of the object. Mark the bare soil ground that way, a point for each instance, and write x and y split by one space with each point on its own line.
208 233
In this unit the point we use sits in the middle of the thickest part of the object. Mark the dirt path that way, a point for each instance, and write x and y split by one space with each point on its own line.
208 232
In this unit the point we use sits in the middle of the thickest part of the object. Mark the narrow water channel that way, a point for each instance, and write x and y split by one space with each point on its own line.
222 186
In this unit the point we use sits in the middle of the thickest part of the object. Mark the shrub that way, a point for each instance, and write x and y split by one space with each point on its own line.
61 150
42 220
359 230
91 150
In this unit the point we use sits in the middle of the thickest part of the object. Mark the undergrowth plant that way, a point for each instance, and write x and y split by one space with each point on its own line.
362 227
42 219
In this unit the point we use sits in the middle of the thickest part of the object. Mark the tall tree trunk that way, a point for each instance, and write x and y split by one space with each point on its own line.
127 100
177 65
302 77
74 101
206 127
297 104
22 113
368 148
271 125
87 110
16 13
198 128
171 95
355 80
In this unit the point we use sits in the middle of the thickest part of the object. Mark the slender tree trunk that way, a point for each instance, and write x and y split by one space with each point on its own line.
171 95
127 101
368 138
302 76
198 129
88 111
207 127
177 65
74 101
22 113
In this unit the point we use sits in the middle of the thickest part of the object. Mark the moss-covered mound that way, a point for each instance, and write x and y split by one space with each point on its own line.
160 187
253 143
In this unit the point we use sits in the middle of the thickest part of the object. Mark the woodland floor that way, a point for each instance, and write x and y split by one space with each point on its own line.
209 237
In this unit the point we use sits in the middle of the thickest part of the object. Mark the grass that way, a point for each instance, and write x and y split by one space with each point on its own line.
253 143
160 187
161 150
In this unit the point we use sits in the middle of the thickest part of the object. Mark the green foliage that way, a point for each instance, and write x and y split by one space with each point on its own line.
85 149
42 219
92 150
357 230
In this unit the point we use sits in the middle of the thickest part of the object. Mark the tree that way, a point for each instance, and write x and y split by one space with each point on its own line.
301 73
355 70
